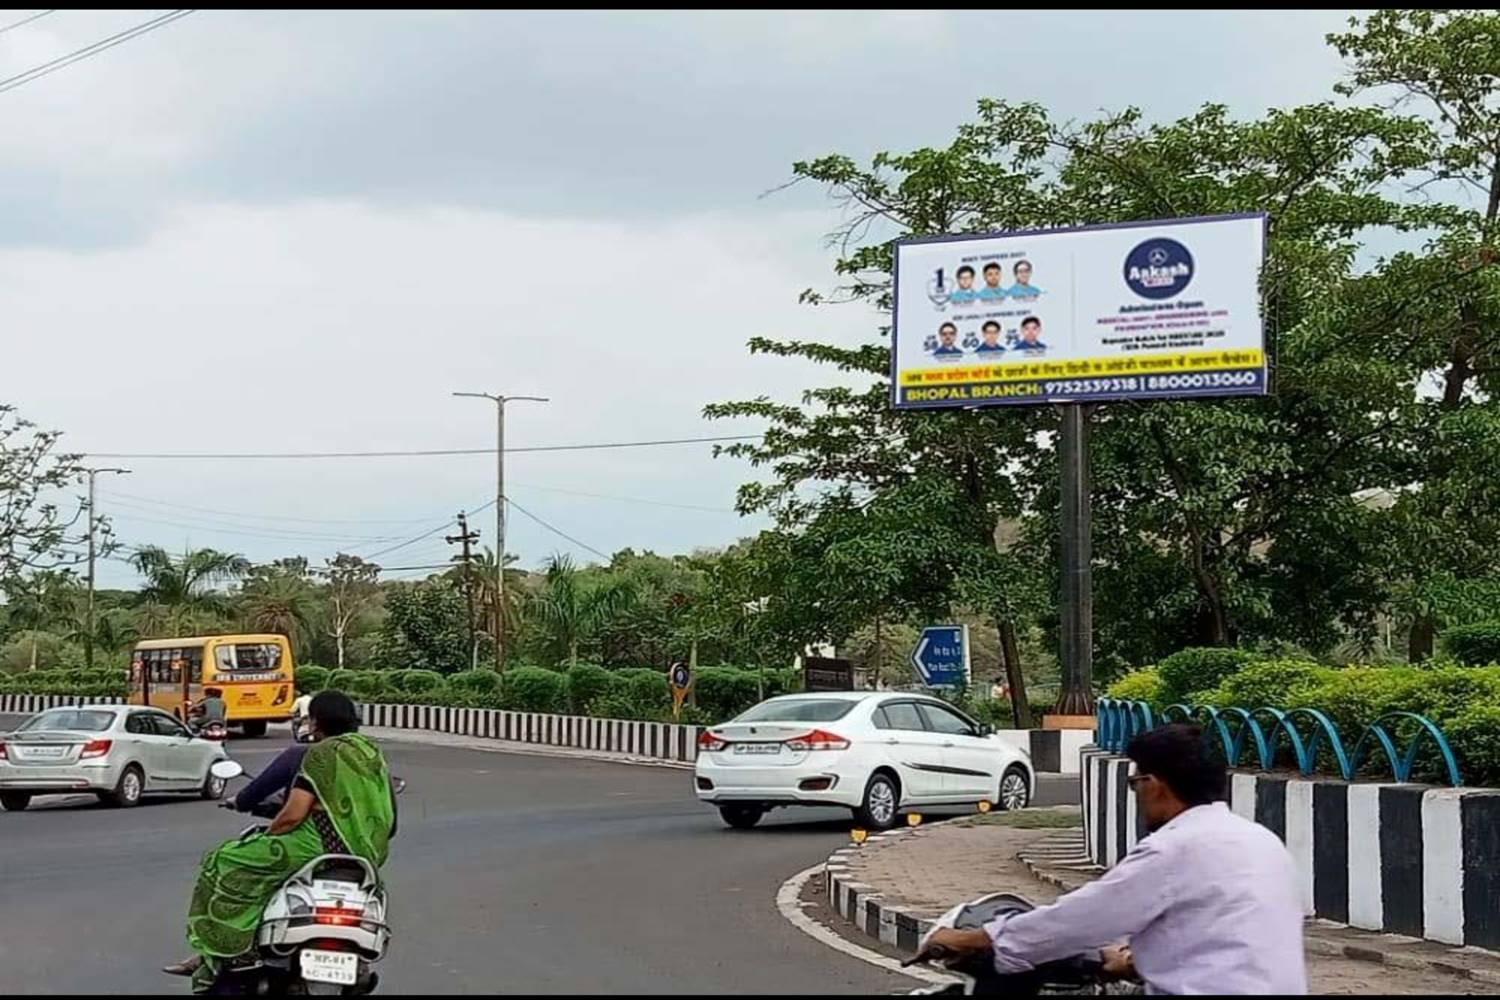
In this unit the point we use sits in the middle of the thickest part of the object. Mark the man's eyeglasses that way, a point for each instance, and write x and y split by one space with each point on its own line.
1135 779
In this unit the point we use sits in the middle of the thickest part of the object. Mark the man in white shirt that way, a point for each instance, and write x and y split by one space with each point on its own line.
1208 900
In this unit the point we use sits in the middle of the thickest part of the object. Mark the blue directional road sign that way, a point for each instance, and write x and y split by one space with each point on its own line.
941 658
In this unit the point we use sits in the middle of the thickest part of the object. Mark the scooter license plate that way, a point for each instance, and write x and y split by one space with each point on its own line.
340 967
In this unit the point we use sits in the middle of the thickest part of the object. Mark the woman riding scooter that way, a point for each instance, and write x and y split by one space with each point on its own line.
341 802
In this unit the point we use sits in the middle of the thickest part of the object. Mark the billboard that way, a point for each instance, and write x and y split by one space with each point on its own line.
1142 310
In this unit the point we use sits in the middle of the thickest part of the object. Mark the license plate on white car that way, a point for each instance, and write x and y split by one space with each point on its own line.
748 749
45 753
340 967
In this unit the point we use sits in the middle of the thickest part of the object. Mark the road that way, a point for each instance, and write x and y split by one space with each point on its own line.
510 874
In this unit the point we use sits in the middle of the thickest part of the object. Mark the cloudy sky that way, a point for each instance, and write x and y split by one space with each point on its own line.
269 232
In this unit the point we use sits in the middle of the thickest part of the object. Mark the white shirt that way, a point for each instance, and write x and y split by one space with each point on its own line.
1209 903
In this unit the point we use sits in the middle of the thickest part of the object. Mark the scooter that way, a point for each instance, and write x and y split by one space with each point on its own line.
975 973
321 932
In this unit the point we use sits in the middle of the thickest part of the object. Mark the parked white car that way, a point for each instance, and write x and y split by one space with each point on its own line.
877 753
118 752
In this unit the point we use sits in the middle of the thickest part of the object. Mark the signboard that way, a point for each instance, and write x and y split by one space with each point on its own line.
826 673
941 658
1141 310
680 678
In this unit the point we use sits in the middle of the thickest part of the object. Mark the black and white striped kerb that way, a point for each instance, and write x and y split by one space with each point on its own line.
27 704
1402 859
863 906
653 740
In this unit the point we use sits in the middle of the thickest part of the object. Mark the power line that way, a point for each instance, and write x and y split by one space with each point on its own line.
265 517
419 453
640 500
26 20
78 55
238 529
425 534
556 531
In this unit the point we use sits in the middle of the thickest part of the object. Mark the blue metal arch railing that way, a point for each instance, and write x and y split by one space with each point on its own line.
1306 732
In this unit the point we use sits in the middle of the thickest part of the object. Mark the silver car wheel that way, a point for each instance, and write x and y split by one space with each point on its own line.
130 786
1013 791
882 802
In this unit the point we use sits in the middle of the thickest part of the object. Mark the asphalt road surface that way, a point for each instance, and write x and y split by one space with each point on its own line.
510 874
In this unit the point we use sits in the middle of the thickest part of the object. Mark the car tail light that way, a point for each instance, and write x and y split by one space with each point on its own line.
95 748
818 739
709 743
4 754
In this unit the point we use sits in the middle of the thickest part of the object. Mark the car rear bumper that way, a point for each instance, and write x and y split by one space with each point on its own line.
778 785
83 777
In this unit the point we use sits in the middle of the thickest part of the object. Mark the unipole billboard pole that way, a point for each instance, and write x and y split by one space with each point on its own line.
1077 646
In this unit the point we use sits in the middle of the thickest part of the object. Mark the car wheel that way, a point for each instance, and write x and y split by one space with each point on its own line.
741 816
14 802
255 729
213 788
128 792
882 799
1015 789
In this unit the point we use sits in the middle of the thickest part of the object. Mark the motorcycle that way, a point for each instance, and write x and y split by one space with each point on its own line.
302 731
211 730
321 932
1079 975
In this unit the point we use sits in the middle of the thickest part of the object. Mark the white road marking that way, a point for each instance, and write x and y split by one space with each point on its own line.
789 902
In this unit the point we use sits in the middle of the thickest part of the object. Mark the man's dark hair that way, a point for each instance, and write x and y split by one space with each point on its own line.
1032 321
334 713
966 268
992 264
1176 756
991 323
1019 263
948 326
213 693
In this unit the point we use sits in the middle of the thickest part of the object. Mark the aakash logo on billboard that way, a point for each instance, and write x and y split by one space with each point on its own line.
1158 268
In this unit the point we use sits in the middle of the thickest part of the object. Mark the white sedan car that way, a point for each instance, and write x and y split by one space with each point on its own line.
878 753
118 752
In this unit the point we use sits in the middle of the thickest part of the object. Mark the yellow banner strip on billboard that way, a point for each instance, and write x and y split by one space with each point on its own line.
1024 369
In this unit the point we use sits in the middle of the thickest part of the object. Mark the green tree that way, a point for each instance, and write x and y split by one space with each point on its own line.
426 628
279 598
353 588
35 526
571 608
181 592
1445 65
39 602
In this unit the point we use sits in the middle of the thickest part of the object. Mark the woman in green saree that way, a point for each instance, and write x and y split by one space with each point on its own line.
340 803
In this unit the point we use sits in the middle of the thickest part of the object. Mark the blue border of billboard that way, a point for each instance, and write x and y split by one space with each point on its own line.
1261 387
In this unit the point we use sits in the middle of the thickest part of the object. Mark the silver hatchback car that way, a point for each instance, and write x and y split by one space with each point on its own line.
118 752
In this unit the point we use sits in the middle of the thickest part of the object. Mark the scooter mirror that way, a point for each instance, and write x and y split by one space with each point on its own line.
399 784
226 769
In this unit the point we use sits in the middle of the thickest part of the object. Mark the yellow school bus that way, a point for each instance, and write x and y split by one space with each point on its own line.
253 671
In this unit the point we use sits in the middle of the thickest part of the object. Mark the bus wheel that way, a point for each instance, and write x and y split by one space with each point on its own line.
255 729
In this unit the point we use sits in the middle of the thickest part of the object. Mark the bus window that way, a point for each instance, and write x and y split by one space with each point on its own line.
248 658
195 664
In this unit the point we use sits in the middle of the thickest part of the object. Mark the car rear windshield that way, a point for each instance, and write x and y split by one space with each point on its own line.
69 718
799 710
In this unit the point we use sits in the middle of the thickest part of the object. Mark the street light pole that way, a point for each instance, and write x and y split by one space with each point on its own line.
88 636
500 402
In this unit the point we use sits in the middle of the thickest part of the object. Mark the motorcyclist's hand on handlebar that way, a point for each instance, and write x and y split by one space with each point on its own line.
1118 962
947 942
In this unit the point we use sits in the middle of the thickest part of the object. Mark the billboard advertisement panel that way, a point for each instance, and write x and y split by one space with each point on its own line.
1147 310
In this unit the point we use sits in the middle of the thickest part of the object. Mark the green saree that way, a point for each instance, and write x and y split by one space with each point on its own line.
237 878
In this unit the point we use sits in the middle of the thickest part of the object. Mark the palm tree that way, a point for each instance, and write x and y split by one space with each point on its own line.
279 602
484 594
572 608
185 587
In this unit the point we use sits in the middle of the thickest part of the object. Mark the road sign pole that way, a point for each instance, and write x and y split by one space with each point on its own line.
1077 598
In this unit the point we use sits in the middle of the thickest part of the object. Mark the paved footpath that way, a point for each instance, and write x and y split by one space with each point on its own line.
1041 858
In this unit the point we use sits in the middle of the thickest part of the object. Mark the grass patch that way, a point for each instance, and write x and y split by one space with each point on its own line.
1061 818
